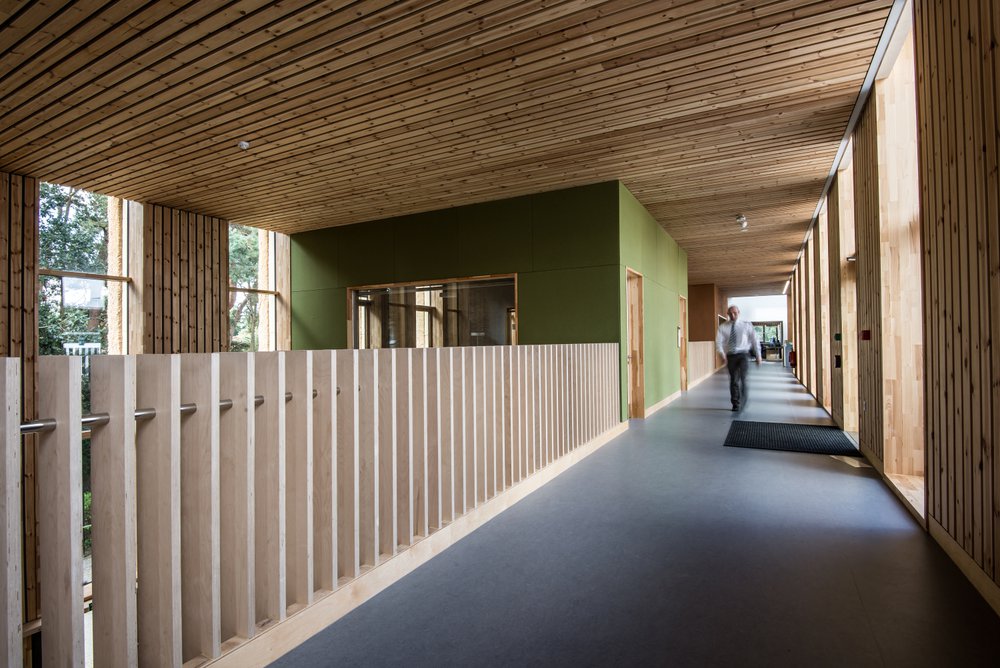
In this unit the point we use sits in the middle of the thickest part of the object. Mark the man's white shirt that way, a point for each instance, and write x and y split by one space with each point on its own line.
746 338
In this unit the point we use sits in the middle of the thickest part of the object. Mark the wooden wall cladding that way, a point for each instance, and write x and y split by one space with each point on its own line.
869 285
184 276
19 334
824 358
899 230
703 361
958 94
843 303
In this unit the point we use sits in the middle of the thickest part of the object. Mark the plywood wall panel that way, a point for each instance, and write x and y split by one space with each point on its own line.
868 243
958 95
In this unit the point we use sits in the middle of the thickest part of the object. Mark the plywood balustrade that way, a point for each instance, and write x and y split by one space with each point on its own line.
350 459
181 263
958 103
10 511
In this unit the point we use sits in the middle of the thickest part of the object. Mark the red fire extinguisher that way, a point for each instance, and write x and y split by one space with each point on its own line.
791 358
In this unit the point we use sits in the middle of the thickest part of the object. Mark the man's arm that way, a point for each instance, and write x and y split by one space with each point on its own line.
754 343
719 338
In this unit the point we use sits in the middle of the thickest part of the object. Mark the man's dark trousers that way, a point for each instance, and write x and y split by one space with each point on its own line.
738 365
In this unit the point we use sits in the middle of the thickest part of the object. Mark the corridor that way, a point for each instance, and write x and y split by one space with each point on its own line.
666 548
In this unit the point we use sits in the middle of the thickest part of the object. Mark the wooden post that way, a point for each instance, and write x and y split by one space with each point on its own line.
200 506
10 511
325 469
387 519
433 423
299 469
236 496
158 510
60 512
367 461
418 451
403 408
269 488
113 479
348 557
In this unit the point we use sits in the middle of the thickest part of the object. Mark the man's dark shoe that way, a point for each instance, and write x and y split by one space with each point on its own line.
736 408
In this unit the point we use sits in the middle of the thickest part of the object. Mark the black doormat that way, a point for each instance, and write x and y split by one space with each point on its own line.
811 438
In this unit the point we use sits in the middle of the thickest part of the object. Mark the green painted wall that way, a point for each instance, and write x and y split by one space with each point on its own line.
646 248
563 246
569 249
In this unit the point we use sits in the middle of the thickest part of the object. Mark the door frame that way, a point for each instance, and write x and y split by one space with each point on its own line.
682 340
635 368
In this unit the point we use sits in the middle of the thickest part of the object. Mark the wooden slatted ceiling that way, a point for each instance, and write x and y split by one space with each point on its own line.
703 108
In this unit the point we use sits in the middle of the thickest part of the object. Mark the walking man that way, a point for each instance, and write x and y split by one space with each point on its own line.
736 341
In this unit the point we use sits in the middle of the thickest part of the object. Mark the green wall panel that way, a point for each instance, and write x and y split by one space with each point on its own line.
649 250
569 249
569 236
319 319
569 306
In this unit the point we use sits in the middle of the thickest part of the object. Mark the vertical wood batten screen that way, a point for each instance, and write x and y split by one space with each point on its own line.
958 105
869 283
282 498
180 262
19 338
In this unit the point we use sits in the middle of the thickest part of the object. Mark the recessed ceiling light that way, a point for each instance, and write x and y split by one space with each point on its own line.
243 145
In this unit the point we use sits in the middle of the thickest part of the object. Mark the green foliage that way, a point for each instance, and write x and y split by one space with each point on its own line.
244 308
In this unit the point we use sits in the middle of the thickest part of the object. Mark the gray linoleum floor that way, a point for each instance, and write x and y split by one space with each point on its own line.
666 548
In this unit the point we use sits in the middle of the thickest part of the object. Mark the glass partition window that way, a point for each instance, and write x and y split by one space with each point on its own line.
82 273
472 312
251 289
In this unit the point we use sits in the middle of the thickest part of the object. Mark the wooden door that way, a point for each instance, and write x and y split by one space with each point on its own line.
636 376
682 342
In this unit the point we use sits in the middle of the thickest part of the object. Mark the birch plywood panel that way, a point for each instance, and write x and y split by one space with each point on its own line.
236 496
568 93
200 563
158 505
325 431
269 488
299 469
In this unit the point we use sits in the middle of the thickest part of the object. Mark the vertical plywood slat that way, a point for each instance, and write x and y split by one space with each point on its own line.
368 457
348 559
387 520
299 480
200 561
270 595
113 533
418 452
325 429
404 444
158 510
236 496
488 430
60 512
433 439
10 510
465 438
447 435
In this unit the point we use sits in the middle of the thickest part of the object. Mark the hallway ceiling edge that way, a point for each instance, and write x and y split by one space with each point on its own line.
298 116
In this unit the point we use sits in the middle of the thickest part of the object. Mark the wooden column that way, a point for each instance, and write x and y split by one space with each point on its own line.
158 510
269 488
299 472
325 429
236 496
200 562
113 535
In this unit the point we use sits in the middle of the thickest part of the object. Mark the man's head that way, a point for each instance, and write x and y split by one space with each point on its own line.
734 313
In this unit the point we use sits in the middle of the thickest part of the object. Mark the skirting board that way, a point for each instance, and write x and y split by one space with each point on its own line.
977 576
274 641
662 404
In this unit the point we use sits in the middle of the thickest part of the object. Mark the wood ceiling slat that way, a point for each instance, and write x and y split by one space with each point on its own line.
695 119
436 137
150 138
703 108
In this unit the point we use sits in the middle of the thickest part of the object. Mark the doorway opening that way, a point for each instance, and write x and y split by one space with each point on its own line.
634 360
